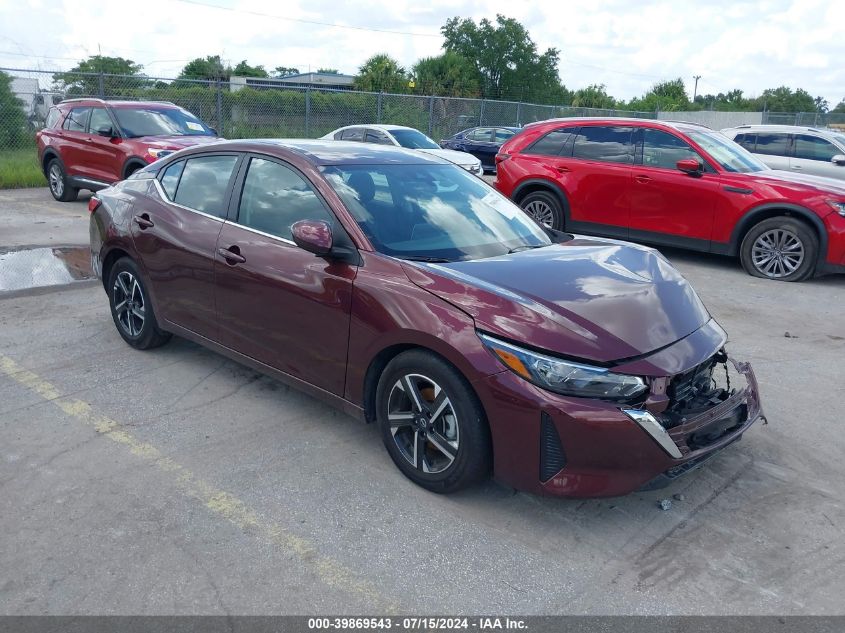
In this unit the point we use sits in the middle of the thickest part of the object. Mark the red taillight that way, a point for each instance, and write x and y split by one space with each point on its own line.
502 157
93 203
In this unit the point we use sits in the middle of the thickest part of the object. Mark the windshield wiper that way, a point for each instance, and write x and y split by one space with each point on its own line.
525 247
423 258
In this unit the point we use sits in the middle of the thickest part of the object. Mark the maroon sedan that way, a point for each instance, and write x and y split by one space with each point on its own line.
411 294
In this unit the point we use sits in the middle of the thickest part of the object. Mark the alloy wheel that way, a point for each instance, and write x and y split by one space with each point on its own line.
777 253
423 423
129 303
57 183
541 212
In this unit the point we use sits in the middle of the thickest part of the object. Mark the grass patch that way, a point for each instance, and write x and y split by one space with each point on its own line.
19 168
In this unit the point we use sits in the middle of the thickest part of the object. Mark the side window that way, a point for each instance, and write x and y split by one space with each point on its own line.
552 144
814 148
99 120
481 135
77 120
772 144
170 178
52 118
661 149
374 136
353 134
502 135
748 141
604 143
275 197
204 184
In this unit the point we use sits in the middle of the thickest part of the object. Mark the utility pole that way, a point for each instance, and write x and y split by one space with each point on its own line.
695 90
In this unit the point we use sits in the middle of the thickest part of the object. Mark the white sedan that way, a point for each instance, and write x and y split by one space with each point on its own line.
406 137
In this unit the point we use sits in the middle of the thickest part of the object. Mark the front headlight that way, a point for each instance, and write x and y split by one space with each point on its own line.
155 153
839 207
563 376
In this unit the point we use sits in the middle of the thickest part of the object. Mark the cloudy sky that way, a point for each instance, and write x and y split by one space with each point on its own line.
626 45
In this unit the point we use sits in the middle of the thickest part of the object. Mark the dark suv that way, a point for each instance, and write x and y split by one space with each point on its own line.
91 143
677 184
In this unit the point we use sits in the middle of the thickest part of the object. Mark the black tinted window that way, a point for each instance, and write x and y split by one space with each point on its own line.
814 148
661 149
746 140
170 178
551 144
275 197
354 134
374 136
606 144
99 120
502 135
772 144
481 134
77 119
204 184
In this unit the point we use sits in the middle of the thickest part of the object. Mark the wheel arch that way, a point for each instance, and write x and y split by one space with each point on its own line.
540 184
109 260
773 210
48 155
132 161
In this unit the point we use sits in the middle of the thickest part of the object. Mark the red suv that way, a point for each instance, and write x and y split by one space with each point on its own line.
91 143
675 184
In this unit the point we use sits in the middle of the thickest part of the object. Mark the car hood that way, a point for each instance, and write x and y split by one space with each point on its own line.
176 142
598 300
459 158
780 177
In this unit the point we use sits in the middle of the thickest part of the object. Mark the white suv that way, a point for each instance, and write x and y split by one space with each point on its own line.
797 149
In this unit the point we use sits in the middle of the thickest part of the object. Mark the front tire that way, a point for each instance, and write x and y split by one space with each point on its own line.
432 423
544 208
780 248
131 309
59 186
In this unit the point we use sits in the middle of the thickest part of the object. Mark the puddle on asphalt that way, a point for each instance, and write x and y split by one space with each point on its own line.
39 267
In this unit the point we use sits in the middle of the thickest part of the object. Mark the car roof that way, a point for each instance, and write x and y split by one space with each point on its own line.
678 125
789 129
92 101
385 127
329 152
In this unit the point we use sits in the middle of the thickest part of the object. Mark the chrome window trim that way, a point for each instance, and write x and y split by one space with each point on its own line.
166 199
284 240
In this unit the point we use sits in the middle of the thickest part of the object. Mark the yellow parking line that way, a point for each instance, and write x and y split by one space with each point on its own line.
220 502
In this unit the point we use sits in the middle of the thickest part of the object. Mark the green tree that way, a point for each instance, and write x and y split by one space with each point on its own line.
209 68
245 70
784 99
381 73
13 128
505 58
328 71
285 71
840 107
665 95
447 75
593 96
91 75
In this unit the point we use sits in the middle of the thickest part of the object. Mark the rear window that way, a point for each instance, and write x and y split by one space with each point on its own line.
552 144
205 183
53 117
772 144
354 134
608 144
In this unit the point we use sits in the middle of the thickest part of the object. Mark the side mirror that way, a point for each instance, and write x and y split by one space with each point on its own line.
839 159
107 131
689 166
314 236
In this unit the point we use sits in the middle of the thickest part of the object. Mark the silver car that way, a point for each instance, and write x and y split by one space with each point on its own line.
797 149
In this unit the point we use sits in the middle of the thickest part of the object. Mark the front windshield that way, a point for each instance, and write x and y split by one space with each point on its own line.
137 122
433 212
412 139
729 155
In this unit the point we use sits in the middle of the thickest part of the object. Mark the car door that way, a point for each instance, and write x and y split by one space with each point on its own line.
773 148
175 234
668 205
814 155
599 177
277 303
74 145
479 143
105 156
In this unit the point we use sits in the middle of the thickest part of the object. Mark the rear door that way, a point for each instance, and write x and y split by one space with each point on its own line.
814 155
479 143
277 303
175 235
74 145
668 205
104 153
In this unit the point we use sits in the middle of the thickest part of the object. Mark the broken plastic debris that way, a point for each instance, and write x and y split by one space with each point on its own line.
665 504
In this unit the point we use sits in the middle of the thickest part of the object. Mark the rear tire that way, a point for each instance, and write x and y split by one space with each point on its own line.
545 209
432 423
59 186
131 309
780 248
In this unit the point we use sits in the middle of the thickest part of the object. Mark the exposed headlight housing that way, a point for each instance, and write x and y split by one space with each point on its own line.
838 206
155 153
565 377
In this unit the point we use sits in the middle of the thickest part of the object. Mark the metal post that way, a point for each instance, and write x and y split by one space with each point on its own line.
519 114
481 114
308 110
220 107
378 106
102 86
430 115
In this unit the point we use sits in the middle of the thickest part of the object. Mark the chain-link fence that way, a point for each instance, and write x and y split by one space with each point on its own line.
274 109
